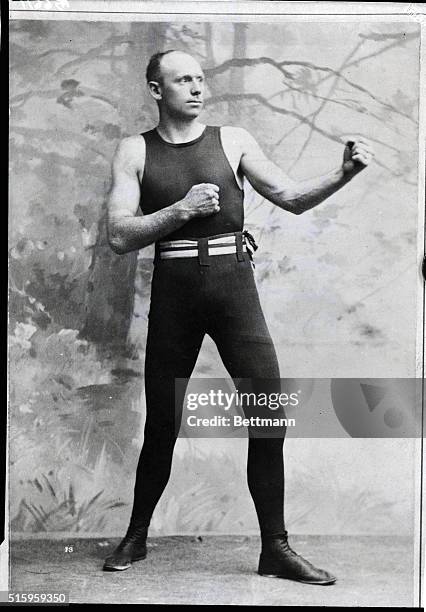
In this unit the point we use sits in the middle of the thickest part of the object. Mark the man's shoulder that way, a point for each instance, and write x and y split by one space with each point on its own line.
238 137
235 132
131 150
133 142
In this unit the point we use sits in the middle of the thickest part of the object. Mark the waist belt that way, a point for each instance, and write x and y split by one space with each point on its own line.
203 248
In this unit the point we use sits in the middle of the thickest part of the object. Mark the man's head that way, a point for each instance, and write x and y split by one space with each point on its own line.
176 81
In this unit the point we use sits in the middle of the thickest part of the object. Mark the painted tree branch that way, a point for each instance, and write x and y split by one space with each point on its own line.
324 102
94 53
280 66
306 120
349 104
277 109
59 94
41 56
43 134
283 111
52 158
383 49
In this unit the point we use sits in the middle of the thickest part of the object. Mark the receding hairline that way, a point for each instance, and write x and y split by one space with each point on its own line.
173 52
178 52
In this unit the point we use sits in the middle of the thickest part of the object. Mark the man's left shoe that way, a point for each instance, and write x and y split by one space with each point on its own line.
131 548
278 560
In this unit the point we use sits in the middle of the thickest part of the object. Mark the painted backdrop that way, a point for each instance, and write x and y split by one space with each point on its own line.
338 284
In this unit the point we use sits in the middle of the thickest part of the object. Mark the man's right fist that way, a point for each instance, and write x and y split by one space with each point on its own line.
201 200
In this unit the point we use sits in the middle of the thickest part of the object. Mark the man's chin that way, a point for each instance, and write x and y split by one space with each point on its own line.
194 111
186 113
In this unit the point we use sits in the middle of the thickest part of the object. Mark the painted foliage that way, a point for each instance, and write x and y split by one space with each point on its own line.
337 284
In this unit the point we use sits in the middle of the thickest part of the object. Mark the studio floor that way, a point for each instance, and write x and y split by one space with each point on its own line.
371 571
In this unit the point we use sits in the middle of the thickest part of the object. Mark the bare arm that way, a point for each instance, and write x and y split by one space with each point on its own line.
297 197
126 232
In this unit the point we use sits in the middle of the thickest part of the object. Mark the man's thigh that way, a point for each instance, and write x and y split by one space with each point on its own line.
239 328
175 328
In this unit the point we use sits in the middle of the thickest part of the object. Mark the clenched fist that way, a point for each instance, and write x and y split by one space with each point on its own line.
357 155
201 200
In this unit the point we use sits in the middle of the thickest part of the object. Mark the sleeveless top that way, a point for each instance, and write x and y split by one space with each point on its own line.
172 169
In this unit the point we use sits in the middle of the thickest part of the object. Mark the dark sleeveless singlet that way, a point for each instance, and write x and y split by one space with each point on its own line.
172 169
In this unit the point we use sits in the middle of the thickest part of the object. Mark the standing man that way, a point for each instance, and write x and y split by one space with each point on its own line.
187 179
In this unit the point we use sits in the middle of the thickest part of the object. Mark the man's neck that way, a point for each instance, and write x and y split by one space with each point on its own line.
178 132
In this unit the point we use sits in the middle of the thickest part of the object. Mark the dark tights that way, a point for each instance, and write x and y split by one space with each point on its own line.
188 301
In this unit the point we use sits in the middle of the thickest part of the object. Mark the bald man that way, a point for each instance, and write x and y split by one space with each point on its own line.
187 180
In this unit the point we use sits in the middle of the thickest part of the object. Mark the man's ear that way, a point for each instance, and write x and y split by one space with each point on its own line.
155 90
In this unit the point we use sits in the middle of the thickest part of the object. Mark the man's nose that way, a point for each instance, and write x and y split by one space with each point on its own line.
196 88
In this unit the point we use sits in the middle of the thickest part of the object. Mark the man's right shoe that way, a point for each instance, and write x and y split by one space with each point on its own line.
131 548
278 560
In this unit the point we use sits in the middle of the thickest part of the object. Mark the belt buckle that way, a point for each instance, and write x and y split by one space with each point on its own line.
239 246
203 252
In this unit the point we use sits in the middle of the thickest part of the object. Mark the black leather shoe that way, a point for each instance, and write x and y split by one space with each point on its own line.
131 548
278 560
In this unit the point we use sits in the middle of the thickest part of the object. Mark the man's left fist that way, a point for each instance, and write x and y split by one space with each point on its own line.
357 155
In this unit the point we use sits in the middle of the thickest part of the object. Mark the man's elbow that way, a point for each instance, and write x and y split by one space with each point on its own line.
292 207
291 202
117 242
118 247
